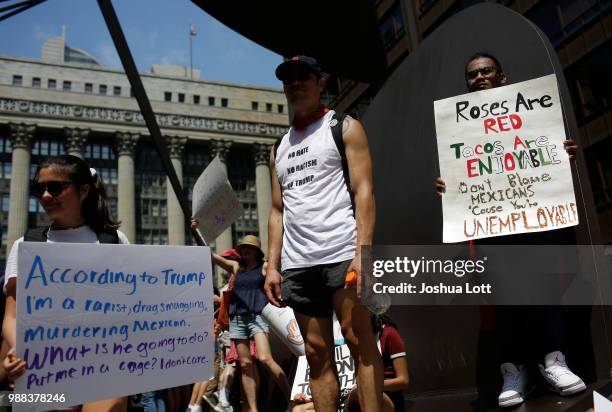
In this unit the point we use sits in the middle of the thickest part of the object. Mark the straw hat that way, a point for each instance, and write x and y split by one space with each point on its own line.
250 240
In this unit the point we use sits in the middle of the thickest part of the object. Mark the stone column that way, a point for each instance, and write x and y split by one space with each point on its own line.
21 140
176 218
263 187
75 140
221 148
126 196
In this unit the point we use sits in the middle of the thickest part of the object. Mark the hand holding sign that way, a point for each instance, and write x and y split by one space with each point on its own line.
440 186
571 148
14 366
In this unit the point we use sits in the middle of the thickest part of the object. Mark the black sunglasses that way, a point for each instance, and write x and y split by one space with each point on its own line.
301 74
54 187
485 71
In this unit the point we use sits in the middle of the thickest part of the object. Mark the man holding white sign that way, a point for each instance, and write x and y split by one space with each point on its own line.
506 183
499 148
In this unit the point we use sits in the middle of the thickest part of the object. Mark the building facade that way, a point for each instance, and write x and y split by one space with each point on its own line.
581 32
66 102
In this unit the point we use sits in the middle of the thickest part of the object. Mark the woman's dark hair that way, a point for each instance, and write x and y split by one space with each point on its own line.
380 321
94 207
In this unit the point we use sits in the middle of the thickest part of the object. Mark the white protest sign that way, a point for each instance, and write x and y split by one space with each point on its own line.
283 324
600 403
338 337
213 202
100 321
502 157
344 365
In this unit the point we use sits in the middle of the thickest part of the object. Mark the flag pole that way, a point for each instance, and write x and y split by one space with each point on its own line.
112 22
191 34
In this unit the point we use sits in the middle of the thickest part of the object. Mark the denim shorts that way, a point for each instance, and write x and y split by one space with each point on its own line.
245 326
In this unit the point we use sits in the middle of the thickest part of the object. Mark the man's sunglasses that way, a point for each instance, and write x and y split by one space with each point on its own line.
485 71
301 75
54 187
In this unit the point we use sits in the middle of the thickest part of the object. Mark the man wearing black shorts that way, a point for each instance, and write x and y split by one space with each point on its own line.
322 213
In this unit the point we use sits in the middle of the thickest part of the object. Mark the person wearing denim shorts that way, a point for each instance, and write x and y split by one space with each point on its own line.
248 300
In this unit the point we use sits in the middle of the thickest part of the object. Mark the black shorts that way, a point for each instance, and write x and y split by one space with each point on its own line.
310 290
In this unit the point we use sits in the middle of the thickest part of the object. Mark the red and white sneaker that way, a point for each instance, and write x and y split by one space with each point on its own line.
559 377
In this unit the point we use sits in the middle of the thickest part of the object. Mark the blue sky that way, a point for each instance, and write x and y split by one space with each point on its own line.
157 31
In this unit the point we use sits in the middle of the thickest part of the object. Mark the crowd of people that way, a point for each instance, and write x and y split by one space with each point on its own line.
320 219
74 197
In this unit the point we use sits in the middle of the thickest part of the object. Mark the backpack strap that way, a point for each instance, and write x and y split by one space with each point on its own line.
37 234
276 144
336 129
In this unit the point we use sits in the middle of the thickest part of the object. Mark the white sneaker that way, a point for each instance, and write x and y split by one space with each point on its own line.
223 407
514 387
559 377
211 399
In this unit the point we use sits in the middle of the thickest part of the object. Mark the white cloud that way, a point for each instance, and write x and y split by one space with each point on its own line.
233 56
177 57
108 55
40 33
152 38
136 36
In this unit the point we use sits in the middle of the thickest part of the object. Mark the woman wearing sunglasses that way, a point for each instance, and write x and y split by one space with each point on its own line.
74 197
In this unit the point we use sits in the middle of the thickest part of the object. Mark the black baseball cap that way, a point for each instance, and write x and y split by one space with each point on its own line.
311 63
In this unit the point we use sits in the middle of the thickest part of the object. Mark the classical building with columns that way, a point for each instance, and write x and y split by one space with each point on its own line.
67 102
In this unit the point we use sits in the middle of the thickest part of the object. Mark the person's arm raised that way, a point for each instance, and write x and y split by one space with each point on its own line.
230 266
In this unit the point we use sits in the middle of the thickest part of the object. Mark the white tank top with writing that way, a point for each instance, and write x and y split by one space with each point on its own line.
319 226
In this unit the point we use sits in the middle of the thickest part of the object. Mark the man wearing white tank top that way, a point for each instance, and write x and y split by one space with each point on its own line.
321 215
